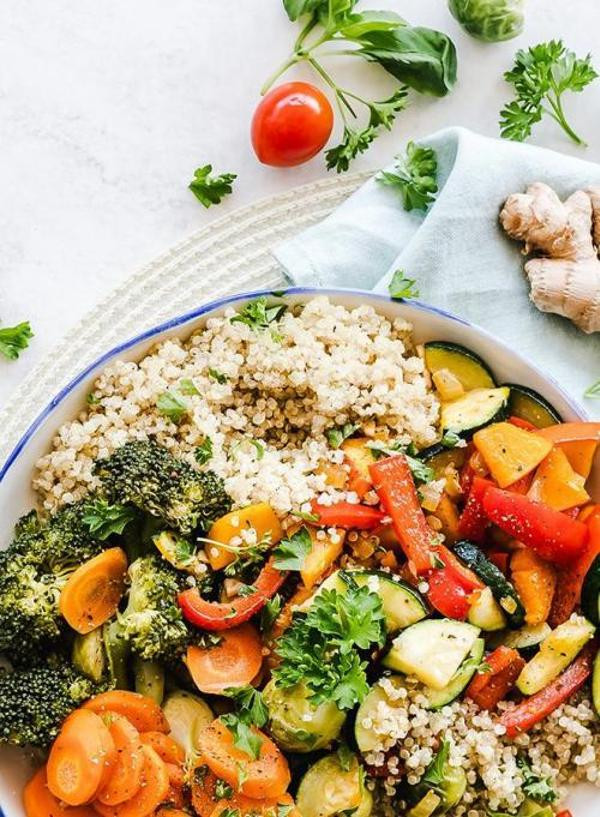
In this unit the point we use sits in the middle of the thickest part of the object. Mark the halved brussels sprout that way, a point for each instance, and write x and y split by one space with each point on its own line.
298 725
489 20
329 788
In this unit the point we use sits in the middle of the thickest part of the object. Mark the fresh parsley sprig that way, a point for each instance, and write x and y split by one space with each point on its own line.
336 436
13 339
540 77
103 519
418 58
250 711
534 786
414 176
401 288
209 189
420 471
321 649
292 551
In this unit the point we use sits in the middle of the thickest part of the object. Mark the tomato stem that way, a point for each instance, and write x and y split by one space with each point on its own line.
295 58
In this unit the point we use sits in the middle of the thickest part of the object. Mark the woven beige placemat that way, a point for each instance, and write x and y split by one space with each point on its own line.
232 254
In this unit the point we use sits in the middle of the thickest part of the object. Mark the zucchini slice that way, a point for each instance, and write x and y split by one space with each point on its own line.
486 613
367 739
426 806
527 404
187 715
527 637
432 650
327 789
464 364
402 604
590 593
502 590
439 458
556 653
474 410
459 681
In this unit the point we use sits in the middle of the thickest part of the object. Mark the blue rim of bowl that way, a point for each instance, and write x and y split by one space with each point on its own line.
220 303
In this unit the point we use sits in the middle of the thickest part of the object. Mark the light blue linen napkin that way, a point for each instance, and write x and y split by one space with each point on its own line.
457 251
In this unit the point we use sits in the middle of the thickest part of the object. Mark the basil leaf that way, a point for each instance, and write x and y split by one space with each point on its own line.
357 25
422 58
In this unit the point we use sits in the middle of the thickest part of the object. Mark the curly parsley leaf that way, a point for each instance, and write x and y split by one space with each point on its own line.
186 386
291 552
534 786
259 314
435 774
540 76
203 453
354 142
401 287
172 406
249 704
13 339
245 737
218 376
420 470
269 613
452 440
321 648
211 189
103 519
414 176
336 436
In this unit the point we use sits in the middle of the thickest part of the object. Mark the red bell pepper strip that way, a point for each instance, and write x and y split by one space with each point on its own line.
524 424
393 481
534 709
570 580
473 520
451 586
347 515
504 667
565 813
500 559
214 616
552 535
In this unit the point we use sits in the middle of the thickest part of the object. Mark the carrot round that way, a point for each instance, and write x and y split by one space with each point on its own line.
93 592
152 792
144 713
126 777
167 811
267 776
39 801
81 759
203 788
234 662
165 747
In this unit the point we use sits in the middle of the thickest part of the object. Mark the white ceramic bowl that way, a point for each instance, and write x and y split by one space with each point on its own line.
16 496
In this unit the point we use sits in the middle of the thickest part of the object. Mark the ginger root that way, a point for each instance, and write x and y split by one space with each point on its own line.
565 238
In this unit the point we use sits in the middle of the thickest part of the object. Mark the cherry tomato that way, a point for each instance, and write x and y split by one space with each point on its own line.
291 124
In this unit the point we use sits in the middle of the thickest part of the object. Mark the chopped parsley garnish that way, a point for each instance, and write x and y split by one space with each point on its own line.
420 471
414 176
13 339
402 288
218 376
452 440
186 386
336 436
210 189
305 516
249 704
203 452
320 649
259 314
103 519
291 552
92 399
269 613
172 406
534 786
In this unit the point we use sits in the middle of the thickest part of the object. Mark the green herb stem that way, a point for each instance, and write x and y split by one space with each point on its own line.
558 114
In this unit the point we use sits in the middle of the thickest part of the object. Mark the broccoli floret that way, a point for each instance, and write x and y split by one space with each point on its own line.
152 621
34 702
33 571
144 474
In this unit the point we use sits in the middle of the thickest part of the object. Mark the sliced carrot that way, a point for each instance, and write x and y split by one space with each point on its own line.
126 777
203 784
246 806
39 801
267 776
144 713
231 663
152 792
165 747
93 592
171 811
175 794
81 759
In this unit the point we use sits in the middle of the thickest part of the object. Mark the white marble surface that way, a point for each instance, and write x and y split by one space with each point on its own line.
107 106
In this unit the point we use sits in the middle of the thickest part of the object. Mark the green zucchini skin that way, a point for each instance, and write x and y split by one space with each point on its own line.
484 378
474 410
590 593
596 684
490 575
527 404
